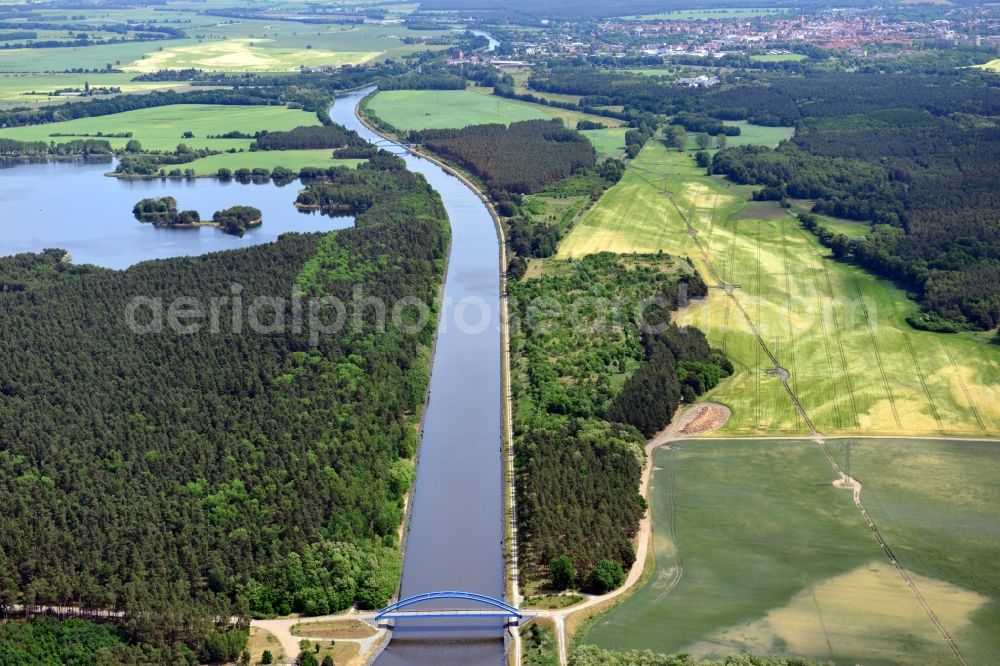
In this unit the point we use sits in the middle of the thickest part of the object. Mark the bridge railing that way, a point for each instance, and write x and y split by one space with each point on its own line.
501 608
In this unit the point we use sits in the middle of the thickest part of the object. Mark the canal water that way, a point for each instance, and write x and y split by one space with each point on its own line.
456 532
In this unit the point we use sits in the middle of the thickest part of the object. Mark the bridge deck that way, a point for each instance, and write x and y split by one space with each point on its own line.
397 615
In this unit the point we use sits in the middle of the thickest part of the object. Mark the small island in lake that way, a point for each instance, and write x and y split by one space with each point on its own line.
162 212
237 219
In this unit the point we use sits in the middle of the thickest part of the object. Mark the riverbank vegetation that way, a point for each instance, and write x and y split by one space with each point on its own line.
580 361
214 447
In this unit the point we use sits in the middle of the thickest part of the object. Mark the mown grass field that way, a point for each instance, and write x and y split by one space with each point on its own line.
756 551
295 160
608 142
750 135
855 364
161 128
758 135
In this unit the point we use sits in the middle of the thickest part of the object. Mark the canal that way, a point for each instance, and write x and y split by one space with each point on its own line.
455 540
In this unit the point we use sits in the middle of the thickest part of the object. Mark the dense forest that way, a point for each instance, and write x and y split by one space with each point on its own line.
310 137
583 370
188 475
778 99
520 158
915 153
46 641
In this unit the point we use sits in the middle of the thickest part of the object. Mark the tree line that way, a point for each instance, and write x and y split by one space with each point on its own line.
311 137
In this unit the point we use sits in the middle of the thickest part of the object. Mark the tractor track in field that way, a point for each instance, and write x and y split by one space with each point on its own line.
678 572
923 382
831 366
788 309
732 260
916 365
965 389
989 362
840 345
878 356
843 478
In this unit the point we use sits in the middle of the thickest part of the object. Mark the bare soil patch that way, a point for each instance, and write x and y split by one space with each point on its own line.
704 417
334 629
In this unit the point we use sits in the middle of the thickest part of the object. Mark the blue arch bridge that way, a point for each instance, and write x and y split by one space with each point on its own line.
465 605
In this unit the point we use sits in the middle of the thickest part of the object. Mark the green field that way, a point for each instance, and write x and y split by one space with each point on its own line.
758 135
430 109
160 128
608 142
778 57
570 118
750 135
757 552
426 109
295 160
33 88
652 71
855 364
84 57
221 44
